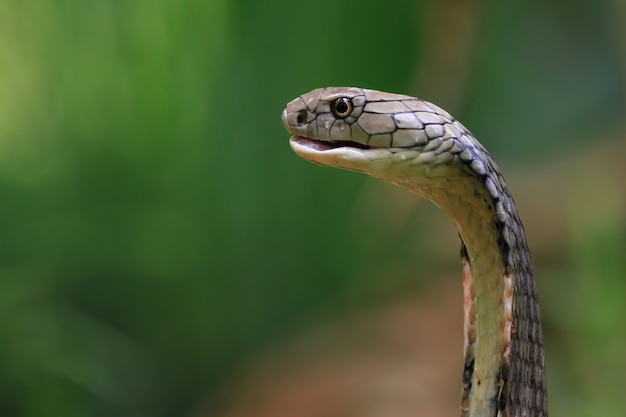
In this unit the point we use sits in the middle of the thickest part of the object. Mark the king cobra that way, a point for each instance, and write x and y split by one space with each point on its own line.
418 146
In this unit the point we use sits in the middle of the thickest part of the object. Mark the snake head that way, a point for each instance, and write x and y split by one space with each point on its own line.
353 127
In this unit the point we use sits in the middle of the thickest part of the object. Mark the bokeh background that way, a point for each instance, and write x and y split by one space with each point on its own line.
164 253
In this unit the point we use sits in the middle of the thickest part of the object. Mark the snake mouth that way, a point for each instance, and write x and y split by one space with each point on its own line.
349 155
320 145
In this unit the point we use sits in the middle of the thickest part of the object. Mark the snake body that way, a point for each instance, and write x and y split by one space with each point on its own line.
420 147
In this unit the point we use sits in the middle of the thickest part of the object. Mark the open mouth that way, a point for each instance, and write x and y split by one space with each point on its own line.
322 145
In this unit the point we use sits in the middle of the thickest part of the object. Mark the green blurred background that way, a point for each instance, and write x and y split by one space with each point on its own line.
159 236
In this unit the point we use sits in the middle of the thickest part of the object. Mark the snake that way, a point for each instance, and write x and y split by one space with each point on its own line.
420 147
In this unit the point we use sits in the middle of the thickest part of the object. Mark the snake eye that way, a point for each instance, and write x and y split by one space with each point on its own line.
342 107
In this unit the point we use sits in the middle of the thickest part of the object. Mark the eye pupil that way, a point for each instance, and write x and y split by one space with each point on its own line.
342 107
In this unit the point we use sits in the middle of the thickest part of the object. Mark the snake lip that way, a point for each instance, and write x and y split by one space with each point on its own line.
325 145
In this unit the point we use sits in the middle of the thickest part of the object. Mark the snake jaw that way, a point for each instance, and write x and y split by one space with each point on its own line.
326 145
347 155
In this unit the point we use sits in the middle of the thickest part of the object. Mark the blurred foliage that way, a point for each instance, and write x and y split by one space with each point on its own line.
158 233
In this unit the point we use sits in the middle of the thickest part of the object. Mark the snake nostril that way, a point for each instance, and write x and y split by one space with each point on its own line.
301 119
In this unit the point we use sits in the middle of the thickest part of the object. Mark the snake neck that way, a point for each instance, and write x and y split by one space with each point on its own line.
504 365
